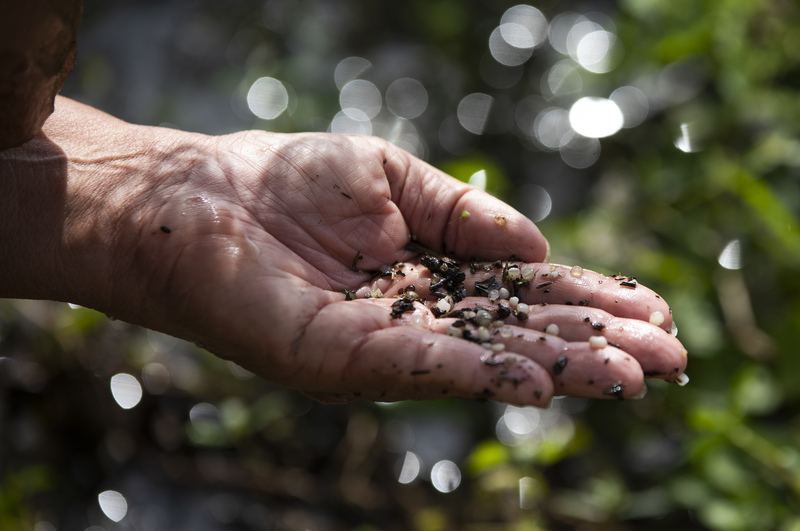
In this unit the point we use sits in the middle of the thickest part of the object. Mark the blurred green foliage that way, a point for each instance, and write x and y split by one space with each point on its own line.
719 454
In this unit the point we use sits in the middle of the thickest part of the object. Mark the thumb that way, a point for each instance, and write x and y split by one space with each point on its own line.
453 217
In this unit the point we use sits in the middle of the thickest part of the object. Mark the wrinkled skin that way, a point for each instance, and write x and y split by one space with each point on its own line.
245 243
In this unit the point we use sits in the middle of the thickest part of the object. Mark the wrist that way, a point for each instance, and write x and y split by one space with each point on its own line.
75 197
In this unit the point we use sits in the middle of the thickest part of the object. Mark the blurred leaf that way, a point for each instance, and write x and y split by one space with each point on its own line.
485 456
755 391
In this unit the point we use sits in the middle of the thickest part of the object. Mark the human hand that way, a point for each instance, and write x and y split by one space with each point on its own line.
245 244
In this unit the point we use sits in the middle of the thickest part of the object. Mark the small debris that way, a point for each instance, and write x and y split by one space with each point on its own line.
165 229
401 306
559 365
358 257
615 390
349 295
465 214
485 286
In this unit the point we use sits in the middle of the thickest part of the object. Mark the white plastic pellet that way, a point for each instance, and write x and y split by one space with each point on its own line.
682 379
576 271
503 292
513 302
483 333
455 331
498 347
528 273
657 318
598 342
506 332
493 294
418 321
552 329
483 318
513 273
523 308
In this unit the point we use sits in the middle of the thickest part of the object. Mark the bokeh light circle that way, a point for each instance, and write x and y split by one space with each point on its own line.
267 98
595 117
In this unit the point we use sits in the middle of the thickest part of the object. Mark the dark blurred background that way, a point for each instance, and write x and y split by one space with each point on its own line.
656 138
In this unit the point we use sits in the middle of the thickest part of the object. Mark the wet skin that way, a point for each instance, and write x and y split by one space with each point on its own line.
245 244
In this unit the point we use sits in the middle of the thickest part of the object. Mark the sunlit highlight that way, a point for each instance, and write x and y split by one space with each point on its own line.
360 97
354 122
531 20
267 98
473 112
113 505
349 69
410 468
731 255
478 179
551 128
686 141
593 51
595 117
126 390
445 476
502 48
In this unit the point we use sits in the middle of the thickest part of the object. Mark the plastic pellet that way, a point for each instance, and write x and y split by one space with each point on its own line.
493 295
528 273
483 318
513 302
598 342
682 379
576 271
503 292
552 329
455 332
657 318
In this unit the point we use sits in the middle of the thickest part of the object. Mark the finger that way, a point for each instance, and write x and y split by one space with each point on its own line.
453 217
660 354
577 369
374 358
538 283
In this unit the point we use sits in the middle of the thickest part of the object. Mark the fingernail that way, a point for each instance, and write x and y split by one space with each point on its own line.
547 253
682 379
641 394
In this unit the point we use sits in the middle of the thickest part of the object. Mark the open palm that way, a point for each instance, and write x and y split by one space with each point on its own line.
250 253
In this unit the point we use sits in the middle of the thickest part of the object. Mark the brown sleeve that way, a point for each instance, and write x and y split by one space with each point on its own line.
37 52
